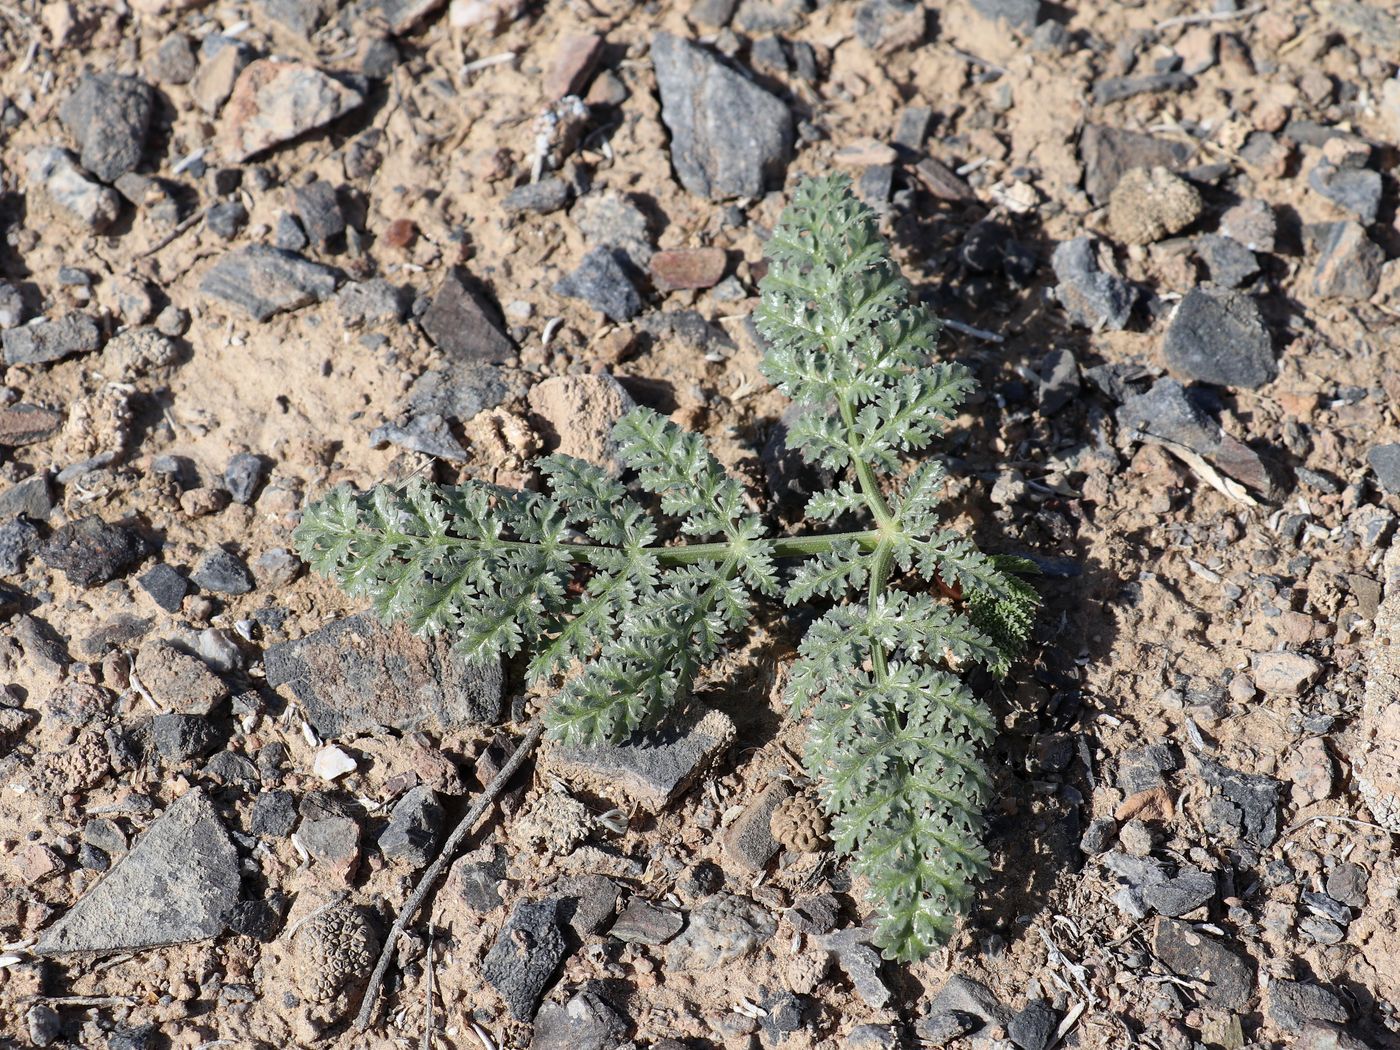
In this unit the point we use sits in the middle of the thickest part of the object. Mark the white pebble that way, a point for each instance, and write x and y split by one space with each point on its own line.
331 762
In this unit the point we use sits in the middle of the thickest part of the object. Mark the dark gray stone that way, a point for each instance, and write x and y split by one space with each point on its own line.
179 738
19 539
1354 190
1116 89
260 919
230 767
178 884
589 903
1348 262
1292 1004
1091 297
749 842
108 117
372 302
712 14
784 1013
962 995
527 951
642 922
244 475
120 630
1385 461
415 827
45 341
538 198
1099 836
872 1037
729 137
223 573
264 281
477 878
1109 152
1230 263
1166 411
1227 976
287 233
912 132
940 1028
274 814
166 587
226 219
330 834
1184 893
464 323
586 1022
1243 807
1347 883
174 61
1218 337
90 551
1019 14
602 282
436 399
887 26
1034 1025
319 211
356 674
1059 380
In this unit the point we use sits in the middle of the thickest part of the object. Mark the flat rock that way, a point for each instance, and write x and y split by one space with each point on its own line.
1033 1026
178 884
273 102
356 675
1242 807
680 268
265 281
1227 975
749 842
1019 14
78 197
888 26
1092 297
586 1022
24 424
45 341
1117 89
1166 410
527 951
538 198
166 587
1230 263
439 397
222 572
1109 152
1292 1004
602 281
1284 673
463 323
1385 461
649 769
178 680
90 551
415 827
1218 336
571 63
1356 191
1251 223
614 220
729 137
860 963
642 922
963 996
1348 262
108 117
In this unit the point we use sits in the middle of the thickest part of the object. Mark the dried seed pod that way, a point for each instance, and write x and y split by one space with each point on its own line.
335 952
799 824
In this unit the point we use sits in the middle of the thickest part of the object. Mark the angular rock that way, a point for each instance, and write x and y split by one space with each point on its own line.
166 587
178 884
89 551
24 424
585 1022
415 827
244 475
1348 264
274 814
222 58
1109 152
463 323
319 211
372 302
1242 807
589 903
1033 1026
1019 14
18 540
538 198
1230 263
437 397
613 220
178 738
1284 673
642 922
178 680
887 26
527 951
1117 89
1227 976
223 573
649 769
1292 1004
45 341
1149 204
729 137
1251 223
1185 892
1385 461
108 117
571 64
602 281
1165 410
688 268
1092 298
356 674
273 102
860 963
1219 337
964 996
331 836
477 877
264 281
1356 191
91 204
749 842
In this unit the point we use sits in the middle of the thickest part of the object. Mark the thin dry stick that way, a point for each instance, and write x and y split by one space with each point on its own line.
435 869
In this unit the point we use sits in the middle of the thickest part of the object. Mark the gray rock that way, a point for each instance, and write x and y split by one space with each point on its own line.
24 424
166 587
1252 223
90 203
1108 153
642 922
538 198
264 281
177 680
287 233
589 903
1166 411
174 61
1059 380
11 305
962 1005
1348 263
330 834
1227 975
1185 892
860 963
44 1024
178 884
46 341
1347 883
463 323
726 927
356 674
275 101
1242 807
1354 190
1091 297
477 878
415 827
770 16
319 211
223 573
18 541
1034 1025
887 26
1385 461
1099 836
1019 14
1230 263
437 398
1116 89
108 117
1219 337
179 738
527 951
89 551
274 814
226 219
748 842
585 1022
602 282
612 220
244 476
729 137
1292 1004
372 302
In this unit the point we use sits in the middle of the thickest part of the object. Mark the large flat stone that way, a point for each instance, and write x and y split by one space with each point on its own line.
265 281
356 674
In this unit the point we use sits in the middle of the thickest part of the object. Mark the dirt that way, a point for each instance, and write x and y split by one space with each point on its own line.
1167 572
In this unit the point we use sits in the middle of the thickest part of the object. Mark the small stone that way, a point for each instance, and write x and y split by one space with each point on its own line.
1252 224
370 303
968 998
860 963
723 929
872 1037
108 117
178 884
264 281
1150 204
18 540
1349 263
589 903
1230 263
31 498
1167 411
610 219
538 198
1099 836
642 922
464 323
1291 1004
1242 807
72 191
174 61
1356 191
331 836
1188 890
166 587
11 305
585 1022
89 551
287 233
1018 14
415 827
45 341
24 424
1092 297
601 281
1347 883
223 573
178 738
1311 773
574 58
273 102
332 763
577 414
688 268
1385 461
749 842
319 211
943 1027
1108 153
1117 89
244 475
1218 337
729 137
887 26
224 220
173 321
1227 976
274 814
178 680
1033 1026
1284 673
44 1024
1136 838
222 59
527 951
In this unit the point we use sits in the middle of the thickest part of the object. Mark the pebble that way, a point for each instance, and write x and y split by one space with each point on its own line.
1252 224
32 498
585 1022
1230 263
1347 884
1218 336
331 836
91 204
943 1027
642 922
244 475
613 220
177 885
1117 89
287 233
1284 673
226 219
11 305
571 64
729 137
273 102
274 814
437 397
1291 1004
1356 191
1385 462
888 26
1226 975
415 827
1033 1026
174 61
332 763
44 341
370 303
1092 297
90 551
108 117
264 281
1242 807
178 680
1348 264
603 283
319 211
24 424
1149 204
964 997
477 878
872 1037
1108 153
683 268
44 1024
178 738
522 976
464 323
165 586
18 540
222 572
547 195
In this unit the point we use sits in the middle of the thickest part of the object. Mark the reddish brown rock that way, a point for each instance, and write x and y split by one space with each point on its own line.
277 101
572 64
688 268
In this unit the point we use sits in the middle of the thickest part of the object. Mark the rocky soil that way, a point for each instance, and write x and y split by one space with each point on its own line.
256 248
